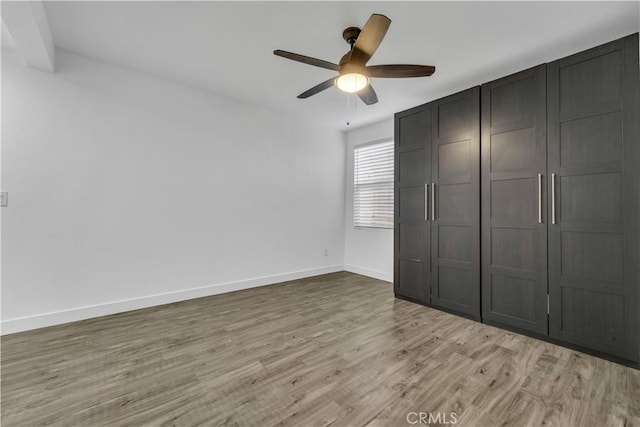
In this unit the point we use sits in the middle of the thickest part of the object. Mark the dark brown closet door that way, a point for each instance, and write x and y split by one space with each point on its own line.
594 154
412 232
455 215
514 234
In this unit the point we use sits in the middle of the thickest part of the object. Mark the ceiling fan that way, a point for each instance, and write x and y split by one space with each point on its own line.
353 73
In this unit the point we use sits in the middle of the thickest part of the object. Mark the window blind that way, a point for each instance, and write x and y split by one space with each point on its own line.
373 185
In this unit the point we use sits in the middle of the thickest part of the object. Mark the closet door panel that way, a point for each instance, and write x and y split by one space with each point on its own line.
410 279
455 218
512 151
412 264
411 202
592 140
514 269
594 153
411 238
514 200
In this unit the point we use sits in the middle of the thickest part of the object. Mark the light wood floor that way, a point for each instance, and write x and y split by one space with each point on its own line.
332 350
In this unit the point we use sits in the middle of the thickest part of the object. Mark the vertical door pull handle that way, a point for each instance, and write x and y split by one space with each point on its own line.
433 201
426 202
553 198
539 198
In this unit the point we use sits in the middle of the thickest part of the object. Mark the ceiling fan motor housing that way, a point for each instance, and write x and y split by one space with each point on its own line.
350 35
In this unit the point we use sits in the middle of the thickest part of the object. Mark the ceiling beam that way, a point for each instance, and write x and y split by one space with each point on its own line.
27 23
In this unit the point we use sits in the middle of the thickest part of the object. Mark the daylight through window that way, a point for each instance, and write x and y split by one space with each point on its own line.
373 185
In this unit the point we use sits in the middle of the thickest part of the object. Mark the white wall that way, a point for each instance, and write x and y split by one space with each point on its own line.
128 191
367 251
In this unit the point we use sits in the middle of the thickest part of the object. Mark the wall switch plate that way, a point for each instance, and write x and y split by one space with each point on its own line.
4 199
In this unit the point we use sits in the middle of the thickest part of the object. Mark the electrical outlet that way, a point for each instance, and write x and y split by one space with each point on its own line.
326 252
4 198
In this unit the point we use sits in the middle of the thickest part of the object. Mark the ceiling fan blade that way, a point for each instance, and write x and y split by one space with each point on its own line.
370 38
307 60
400 70
368 95
317 88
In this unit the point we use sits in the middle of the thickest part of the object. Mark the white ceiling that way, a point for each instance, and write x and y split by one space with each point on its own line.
226 47
7 40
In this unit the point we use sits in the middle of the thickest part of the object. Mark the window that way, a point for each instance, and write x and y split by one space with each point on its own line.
373 185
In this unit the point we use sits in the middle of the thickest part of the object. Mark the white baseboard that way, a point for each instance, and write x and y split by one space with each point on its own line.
387 277
11 326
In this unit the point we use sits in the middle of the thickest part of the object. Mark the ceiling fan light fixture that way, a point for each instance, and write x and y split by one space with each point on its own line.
352 82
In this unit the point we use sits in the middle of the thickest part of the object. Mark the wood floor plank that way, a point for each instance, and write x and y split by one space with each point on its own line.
336 350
